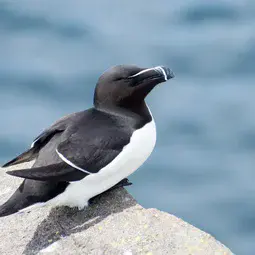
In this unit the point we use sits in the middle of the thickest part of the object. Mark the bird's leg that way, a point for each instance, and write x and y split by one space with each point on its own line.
122 183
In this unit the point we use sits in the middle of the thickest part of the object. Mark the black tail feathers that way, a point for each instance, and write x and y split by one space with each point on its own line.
24 157
7 209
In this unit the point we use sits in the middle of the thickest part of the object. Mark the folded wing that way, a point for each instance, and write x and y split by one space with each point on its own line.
79 158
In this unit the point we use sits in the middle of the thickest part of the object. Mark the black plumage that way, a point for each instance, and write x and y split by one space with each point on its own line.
89 139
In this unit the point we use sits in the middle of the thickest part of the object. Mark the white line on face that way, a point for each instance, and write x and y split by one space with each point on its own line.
157 68
143 71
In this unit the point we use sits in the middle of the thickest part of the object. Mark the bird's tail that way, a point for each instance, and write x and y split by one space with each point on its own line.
7 209
24 157
14 203
31 192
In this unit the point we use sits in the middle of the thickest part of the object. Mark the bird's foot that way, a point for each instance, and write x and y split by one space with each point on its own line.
122 183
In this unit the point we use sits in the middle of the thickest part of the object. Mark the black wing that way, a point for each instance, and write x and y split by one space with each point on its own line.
32 153
57 172
88 147
40 141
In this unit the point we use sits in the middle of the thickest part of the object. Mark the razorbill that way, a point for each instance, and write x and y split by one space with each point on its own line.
89 152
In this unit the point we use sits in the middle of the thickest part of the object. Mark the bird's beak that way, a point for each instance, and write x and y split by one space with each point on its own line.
158 73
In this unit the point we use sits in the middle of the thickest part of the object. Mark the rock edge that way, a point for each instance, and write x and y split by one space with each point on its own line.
114 224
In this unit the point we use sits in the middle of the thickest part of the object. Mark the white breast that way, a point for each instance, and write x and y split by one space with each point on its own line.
129 160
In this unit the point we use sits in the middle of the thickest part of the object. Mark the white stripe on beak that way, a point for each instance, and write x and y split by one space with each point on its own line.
162 70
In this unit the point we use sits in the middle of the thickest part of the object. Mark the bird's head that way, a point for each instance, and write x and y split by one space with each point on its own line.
127 85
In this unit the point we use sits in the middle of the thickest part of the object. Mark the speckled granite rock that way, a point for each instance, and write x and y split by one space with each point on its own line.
114 224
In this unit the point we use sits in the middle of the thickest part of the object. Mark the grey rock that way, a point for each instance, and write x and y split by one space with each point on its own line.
113 224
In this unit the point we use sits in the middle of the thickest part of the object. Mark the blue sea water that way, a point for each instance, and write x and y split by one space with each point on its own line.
202 169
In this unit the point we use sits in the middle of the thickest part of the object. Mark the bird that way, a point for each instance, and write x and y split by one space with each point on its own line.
89 152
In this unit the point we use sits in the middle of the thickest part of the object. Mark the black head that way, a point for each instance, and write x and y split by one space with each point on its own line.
127 86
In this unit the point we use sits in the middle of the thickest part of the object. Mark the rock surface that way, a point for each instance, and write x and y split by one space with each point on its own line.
113 224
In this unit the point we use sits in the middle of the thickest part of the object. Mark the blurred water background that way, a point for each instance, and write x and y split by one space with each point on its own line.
202 169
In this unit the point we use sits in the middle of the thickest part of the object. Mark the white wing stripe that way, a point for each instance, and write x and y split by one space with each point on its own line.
70 163
33 144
